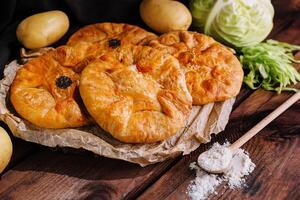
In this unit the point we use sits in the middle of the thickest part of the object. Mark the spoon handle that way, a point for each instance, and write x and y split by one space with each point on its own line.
258 127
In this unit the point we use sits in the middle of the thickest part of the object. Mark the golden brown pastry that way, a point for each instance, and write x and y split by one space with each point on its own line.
142 100
115 33
212 72
44 93
95 40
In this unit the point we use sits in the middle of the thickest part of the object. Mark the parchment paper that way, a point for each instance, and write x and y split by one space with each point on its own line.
203 121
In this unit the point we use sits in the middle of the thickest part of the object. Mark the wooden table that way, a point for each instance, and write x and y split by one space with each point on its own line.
40 173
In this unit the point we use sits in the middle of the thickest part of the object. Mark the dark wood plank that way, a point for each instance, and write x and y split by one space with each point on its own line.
291 34
275 151
284 7
54 175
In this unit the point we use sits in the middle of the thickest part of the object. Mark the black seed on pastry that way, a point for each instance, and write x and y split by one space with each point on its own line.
114 43
63 82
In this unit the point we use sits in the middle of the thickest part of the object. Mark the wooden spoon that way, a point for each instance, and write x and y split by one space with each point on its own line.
227 155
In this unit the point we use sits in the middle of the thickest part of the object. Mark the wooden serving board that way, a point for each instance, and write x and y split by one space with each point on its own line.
40 173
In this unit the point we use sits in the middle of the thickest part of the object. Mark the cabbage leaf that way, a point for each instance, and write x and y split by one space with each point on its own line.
269 65
237 23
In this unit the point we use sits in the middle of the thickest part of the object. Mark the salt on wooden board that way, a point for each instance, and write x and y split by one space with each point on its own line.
206 184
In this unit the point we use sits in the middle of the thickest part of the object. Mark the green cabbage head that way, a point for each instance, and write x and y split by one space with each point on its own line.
238 23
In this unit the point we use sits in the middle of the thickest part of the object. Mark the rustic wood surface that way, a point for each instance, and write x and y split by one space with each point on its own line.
41 173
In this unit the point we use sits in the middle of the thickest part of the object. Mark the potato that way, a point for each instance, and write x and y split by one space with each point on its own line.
42 29
5 149
165 15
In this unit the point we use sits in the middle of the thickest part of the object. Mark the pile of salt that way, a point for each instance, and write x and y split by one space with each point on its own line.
205 184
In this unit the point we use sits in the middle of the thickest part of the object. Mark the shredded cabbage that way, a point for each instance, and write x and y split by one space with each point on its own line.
269 65
237 23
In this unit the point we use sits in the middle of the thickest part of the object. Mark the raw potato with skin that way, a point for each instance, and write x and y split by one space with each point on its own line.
142 101
5 149
212 72
165 15
42 29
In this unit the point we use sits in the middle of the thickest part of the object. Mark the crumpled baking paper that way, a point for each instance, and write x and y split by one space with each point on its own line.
203 121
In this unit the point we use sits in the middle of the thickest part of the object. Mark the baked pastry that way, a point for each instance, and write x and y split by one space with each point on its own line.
44 93
114 33
95 40
212 72
142 100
